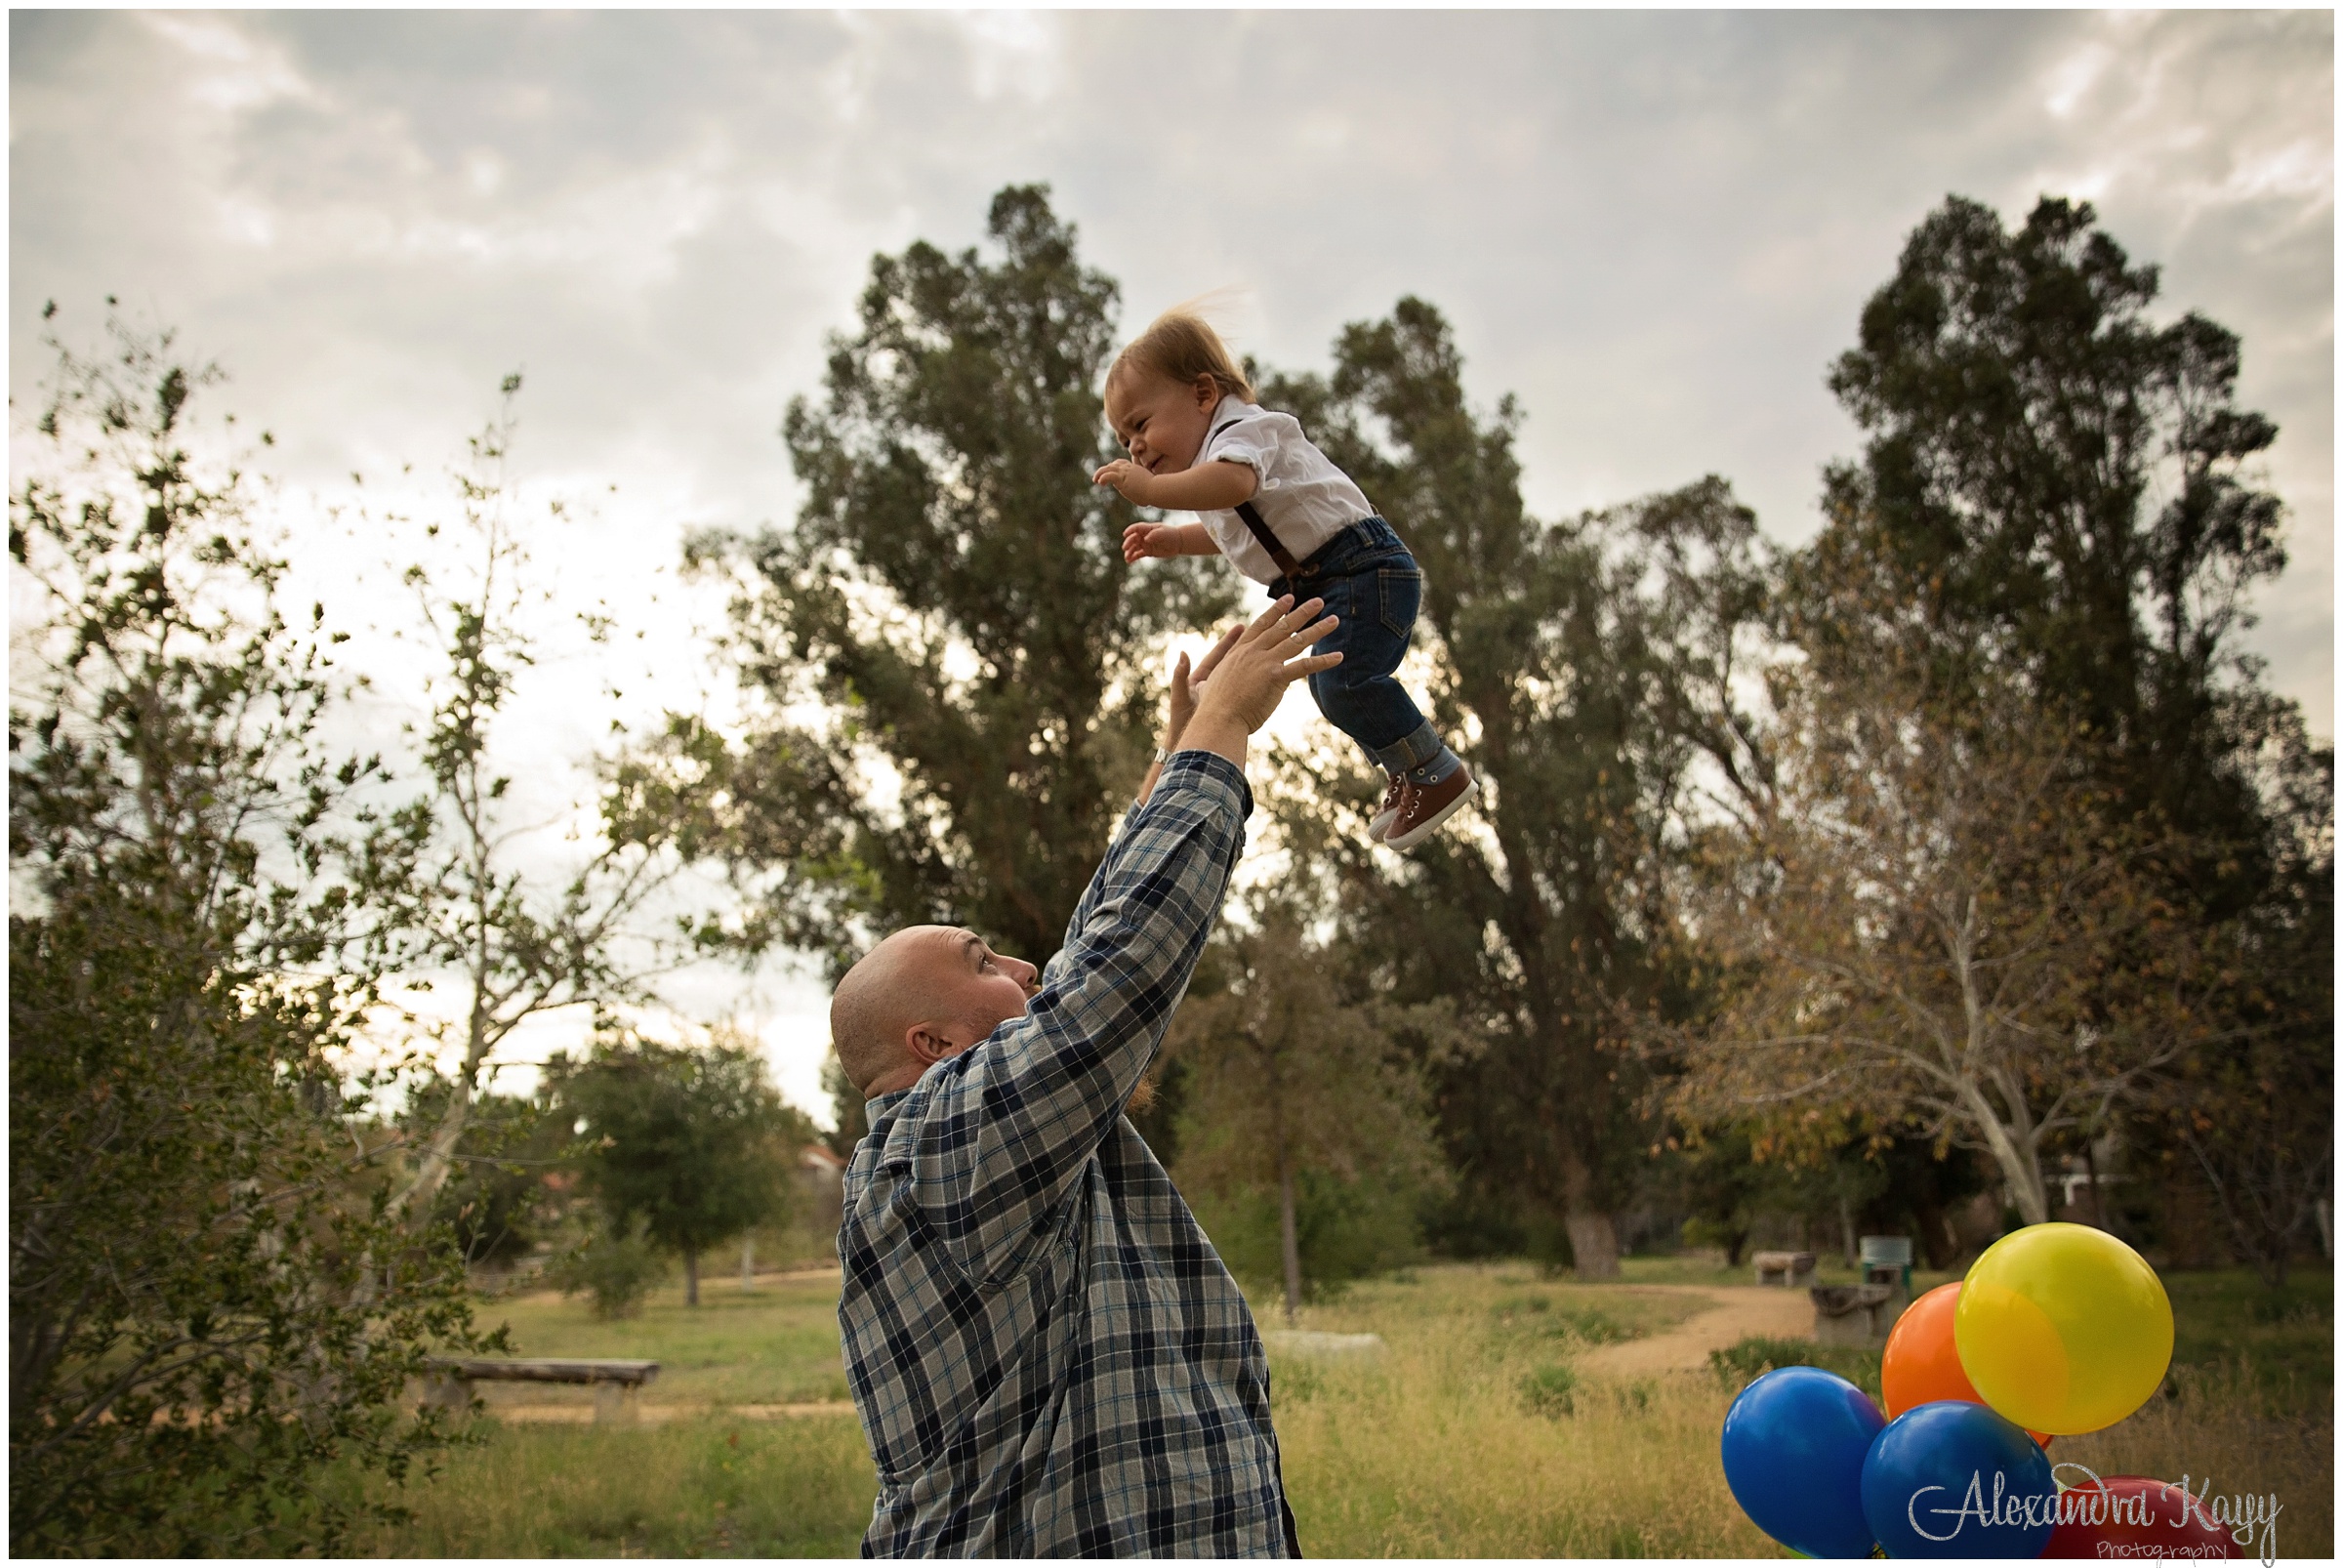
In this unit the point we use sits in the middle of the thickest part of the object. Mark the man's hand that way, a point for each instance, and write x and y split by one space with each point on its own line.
1251 672
1186 689
1135 484
1143 540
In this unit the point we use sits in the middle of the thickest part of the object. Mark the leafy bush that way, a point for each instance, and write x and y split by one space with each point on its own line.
1541 1316
1347 1230
615 1265
1552 1390
211 1301
1737 1366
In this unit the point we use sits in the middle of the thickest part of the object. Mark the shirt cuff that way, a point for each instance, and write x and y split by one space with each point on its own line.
1208 773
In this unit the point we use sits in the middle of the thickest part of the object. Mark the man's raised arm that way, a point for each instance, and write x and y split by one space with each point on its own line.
990 1140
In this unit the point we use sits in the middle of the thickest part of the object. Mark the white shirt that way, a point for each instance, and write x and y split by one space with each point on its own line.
1303 498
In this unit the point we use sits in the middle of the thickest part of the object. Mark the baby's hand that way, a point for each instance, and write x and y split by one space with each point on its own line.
1143 540
1133 481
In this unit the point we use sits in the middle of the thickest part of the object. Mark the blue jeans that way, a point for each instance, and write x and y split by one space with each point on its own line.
1367 578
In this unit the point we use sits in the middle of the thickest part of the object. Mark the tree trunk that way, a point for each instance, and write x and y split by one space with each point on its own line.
2090 1166
439 1154
748 1262
1846 1227
692 1276
1938 1245
2020 1166
1734 1241
1290 1235
1593 1239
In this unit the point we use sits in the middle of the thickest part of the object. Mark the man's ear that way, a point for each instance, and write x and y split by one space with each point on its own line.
927 1047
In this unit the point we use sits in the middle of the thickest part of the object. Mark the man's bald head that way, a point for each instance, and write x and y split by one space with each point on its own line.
925 993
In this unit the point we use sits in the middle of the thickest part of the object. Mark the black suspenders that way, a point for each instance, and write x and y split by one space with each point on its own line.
1252 517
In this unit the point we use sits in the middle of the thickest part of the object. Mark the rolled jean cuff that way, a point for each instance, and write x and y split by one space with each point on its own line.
1410 751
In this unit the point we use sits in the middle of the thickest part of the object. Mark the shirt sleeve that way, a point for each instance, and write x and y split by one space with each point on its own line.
989 1143
1251 440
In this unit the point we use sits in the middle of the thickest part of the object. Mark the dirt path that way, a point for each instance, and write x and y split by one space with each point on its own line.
1741 1310
581 1415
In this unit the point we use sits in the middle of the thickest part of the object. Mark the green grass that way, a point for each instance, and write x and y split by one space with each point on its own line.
709 1488
1481 1429
2287 1340
777 1345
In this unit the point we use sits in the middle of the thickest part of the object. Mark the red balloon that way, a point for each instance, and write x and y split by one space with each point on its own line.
2135 1516
1920 1364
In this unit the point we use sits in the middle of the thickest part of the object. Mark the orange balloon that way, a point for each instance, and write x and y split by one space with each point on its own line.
1920 1364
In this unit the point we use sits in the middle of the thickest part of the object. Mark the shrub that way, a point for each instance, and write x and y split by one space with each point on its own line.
1739 1365
616 1266
1552 1390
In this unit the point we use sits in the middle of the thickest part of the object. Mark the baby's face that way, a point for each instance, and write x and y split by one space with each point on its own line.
1161 423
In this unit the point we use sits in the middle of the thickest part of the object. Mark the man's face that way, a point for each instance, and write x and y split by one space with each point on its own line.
1161 423
971 990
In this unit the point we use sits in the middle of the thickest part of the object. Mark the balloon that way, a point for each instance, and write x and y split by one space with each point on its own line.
2134 1516
1794 1448
2063 1328
1920 1364
1953 1479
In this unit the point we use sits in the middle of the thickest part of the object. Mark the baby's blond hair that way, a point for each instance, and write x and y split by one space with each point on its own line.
1179 345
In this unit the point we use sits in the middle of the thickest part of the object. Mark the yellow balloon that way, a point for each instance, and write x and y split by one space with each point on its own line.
2063 1328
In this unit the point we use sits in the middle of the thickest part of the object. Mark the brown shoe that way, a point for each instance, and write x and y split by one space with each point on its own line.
1387 812
1424 806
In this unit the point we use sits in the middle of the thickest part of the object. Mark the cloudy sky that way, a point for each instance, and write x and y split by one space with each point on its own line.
1657 230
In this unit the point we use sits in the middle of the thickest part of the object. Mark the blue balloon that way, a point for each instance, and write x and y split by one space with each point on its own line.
1953 1479
1794 1443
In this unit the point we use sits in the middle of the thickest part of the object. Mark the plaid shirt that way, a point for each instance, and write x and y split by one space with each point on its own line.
1049 1357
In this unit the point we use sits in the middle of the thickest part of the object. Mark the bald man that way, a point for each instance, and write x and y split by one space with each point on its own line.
1048 1356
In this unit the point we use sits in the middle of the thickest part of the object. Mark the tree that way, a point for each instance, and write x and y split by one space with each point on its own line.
2058 490
207 1309
2054 482
1288 1078
696 1145
495 1201
954 604
1936 920
845 1108
470 921
1582 670
2254 1114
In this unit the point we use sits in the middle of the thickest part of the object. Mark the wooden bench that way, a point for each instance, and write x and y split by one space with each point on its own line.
1794 1268
450 1379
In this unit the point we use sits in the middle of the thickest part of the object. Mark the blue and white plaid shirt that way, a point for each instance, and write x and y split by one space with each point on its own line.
1049 1357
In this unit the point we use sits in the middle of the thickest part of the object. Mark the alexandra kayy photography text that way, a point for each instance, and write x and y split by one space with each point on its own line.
2149 1519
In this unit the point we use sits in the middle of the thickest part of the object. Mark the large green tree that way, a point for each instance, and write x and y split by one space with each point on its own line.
1580 669
696 1145
951 608
2055 482
208 1309
1291 1075
2057 488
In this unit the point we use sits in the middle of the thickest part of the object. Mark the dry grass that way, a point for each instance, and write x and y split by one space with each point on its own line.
1471 1436
2232 1426
1477 1431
